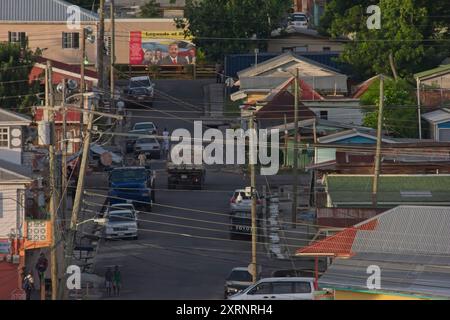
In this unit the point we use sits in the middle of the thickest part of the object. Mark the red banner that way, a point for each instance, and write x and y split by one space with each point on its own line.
136 52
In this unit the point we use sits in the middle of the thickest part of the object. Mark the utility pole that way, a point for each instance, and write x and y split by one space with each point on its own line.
296 146
378 150
418 108
101 45
112 53
64 155
82 87
53 187
253 195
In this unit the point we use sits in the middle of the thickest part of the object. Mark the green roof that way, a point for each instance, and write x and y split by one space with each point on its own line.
356 190
436 71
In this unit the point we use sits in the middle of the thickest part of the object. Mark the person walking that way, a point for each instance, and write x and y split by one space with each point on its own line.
28 285
117 281
142 158
41 267
166 139
109 281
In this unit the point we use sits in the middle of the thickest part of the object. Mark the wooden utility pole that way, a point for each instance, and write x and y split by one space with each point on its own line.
82 87
252 156
286 140
53 187
64 155
79 193
101 45
296 146
112 53
378 150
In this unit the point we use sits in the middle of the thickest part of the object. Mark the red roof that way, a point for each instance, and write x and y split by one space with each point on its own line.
339 244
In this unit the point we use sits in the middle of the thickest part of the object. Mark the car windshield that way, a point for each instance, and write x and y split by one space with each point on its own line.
122 216
299 18
122 207
243 195
143 126
135 174
147 140
240 275
140 83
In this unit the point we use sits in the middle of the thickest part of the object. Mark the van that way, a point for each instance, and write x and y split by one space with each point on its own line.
295 288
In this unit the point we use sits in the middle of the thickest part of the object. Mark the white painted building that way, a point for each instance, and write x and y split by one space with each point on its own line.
12 127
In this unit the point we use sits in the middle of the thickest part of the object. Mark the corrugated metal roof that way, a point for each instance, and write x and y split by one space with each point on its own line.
40 10
13 171
442 69
437 115
351 190
11 116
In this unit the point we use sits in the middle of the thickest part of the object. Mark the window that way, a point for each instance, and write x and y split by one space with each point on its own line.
4 137
302 287
70 40
262 288
17 37
326 49
283 287
324 115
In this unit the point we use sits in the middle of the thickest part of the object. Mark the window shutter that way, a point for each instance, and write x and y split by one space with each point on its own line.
9 36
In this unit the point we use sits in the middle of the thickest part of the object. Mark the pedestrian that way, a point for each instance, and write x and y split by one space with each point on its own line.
166 139
142 159
41 267
28 285
117 281
108 281
219 71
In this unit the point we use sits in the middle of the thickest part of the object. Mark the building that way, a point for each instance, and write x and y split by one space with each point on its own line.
434 86
46 24
323 79
409 247
438 124
303 40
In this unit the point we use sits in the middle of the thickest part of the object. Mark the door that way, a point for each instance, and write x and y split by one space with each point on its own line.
262 291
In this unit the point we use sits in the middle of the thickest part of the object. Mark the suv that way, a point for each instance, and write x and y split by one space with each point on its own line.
141 90
121 224
295 288
299 20
238 280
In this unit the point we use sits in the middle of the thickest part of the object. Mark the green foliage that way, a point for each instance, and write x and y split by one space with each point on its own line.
15 66
400 112
222 27
150 9
412 30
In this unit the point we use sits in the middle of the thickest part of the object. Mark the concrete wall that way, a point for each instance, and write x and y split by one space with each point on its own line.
48 36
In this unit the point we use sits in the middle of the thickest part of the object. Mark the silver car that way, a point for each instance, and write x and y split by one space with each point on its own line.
149 146
242 201
238 280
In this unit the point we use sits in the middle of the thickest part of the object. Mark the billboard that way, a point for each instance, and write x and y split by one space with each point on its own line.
161 48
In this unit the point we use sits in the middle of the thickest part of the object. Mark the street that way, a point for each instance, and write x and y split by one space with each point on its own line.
184 250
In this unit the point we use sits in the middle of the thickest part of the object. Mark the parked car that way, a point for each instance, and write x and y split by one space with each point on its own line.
299 20
149 146
120 224
295 288
242 201
140 91
238 280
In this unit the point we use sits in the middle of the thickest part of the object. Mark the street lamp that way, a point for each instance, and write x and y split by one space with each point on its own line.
296 145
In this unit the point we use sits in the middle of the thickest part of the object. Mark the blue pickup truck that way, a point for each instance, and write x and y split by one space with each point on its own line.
133 185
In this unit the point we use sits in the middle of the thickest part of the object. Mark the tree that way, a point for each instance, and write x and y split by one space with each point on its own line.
15 65
414 32
150 9
222 27
400 112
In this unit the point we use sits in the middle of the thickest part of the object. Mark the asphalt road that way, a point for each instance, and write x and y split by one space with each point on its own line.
184 250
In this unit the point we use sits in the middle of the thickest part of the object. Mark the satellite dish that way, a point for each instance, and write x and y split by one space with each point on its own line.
72 84
59 88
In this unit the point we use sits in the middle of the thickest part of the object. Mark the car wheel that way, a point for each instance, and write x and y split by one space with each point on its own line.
135 238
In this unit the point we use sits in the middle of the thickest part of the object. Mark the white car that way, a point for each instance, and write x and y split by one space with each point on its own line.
242 201
120 224
145 127
290 288
125 206
299 20
149 146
